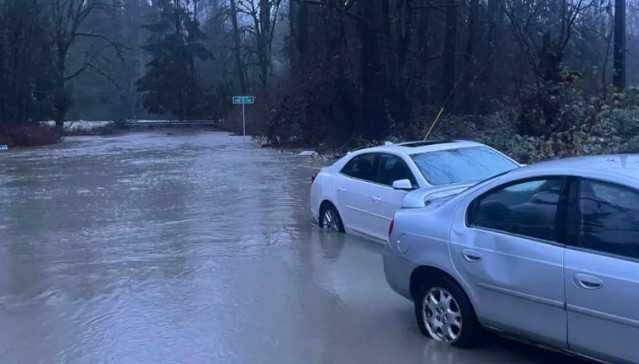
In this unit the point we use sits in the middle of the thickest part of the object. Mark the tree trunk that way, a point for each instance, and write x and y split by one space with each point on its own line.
61 101
619 77
470 62
373 122
301 29
292 33
490 79
424 36
264 41
606 61
401 106
450 47
238 50
135 68
405 32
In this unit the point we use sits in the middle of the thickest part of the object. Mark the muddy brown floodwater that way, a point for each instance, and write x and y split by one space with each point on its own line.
192 247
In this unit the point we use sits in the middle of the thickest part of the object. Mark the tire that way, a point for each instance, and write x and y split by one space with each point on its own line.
450 317
330 219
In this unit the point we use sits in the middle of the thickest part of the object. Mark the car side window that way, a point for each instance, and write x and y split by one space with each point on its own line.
608 218
392 168
362 167
528 208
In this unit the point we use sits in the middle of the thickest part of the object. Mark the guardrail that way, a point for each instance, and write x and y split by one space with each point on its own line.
173 123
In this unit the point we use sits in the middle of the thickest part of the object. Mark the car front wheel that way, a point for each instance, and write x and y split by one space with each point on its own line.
444 313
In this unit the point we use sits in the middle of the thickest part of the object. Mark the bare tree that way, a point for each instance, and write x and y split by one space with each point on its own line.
68 18
543 30
264 15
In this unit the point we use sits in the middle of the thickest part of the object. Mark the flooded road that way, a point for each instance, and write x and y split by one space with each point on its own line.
192 247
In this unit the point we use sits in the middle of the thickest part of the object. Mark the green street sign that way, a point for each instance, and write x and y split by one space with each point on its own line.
243 100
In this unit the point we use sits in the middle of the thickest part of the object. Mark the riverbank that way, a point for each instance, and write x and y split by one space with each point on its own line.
28 135
45 133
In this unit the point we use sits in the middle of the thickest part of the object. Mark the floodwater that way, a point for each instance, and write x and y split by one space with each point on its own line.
192 247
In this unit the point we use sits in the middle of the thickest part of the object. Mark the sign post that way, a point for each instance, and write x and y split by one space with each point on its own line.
243 100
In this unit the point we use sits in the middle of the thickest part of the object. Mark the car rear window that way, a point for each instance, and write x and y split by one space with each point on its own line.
609 218
363 167
463 165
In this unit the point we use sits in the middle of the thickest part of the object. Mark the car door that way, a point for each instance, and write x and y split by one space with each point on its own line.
602 273
388 200
507 252
356 191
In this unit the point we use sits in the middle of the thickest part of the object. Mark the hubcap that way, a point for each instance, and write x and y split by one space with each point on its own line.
329 221
442 315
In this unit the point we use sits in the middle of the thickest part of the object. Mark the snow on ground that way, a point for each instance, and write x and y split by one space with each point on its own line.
154 121
80 125
88 125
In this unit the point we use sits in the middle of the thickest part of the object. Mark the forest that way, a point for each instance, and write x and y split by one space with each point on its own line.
535 78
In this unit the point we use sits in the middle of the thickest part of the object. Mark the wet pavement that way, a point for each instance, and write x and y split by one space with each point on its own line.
192 247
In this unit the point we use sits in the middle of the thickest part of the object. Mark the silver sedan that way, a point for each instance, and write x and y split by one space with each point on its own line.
547 253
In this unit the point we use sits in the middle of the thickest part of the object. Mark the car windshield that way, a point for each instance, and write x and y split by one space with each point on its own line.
464 165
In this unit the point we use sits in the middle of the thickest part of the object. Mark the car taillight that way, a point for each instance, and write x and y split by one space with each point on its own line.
390 228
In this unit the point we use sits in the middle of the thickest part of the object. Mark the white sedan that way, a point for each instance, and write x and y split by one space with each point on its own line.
360 193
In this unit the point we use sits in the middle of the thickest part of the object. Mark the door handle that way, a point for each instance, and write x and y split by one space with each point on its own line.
586 281
341 189
376 198
471 256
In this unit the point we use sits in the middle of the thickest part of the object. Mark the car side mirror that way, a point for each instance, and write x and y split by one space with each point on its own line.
403 185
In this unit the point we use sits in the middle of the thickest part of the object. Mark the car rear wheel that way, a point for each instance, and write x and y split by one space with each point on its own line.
444 313
330 219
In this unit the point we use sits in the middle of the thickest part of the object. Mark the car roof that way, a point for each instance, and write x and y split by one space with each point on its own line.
618 164
417 147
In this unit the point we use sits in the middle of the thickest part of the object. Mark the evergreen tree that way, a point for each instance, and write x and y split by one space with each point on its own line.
176 42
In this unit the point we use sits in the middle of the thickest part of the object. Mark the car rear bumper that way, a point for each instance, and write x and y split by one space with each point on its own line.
398 271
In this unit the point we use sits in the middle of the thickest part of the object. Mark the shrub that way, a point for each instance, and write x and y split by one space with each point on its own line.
496 130
581 125
28 135
599 127
589 126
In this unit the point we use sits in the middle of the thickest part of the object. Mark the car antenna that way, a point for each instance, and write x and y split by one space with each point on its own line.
432 126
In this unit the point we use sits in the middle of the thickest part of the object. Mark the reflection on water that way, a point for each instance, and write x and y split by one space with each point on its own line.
190 247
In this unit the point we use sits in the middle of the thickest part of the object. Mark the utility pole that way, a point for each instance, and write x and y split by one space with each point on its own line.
243 120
